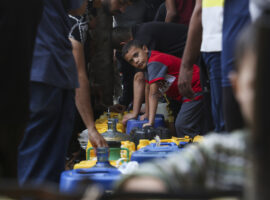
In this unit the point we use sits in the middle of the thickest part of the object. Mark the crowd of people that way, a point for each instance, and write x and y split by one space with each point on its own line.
185 50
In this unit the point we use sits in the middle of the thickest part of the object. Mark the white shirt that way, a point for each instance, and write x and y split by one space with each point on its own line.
212 20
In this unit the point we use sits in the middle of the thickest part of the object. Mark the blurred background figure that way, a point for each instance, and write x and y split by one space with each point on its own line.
176 11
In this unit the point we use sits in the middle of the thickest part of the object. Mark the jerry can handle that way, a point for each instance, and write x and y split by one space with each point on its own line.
125 149
88 153
167 144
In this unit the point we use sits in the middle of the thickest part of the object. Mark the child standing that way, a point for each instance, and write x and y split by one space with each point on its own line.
161 72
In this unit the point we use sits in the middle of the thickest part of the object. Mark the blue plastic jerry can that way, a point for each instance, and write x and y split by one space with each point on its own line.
137 123
153 151
71 180
102 174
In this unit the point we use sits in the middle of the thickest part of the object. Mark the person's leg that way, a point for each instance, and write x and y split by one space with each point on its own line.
236 17
213 62
189 119
232 113
42 151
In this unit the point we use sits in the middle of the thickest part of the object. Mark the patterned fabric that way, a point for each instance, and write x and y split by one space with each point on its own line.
80 24
218 163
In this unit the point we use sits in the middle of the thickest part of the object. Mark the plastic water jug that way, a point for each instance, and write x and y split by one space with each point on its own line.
152 151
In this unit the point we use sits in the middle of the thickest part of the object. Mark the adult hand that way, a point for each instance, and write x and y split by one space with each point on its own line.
96 138
118 108
128 116
184 82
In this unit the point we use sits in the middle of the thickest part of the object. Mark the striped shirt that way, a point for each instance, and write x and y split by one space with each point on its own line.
217 163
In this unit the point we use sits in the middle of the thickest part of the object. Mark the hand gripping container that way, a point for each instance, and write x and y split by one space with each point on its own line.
102 174
137 123
152 151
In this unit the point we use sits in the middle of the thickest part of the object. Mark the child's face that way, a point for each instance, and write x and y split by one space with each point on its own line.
137 57
243 83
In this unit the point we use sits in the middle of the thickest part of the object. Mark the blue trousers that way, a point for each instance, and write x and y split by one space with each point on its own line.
41 156
213 62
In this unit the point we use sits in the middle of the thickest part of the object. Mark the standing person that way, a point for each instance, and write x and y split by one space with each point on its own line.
236 17
205 35
18 25
53 80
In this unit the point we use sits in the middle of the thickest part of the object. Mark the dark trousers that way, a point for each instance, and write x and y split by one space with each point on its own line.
189 120
213 62
232 114
42 152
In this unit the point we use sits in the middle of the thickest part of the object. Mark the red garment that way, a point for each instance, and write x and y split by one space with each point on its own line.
160 64
184 9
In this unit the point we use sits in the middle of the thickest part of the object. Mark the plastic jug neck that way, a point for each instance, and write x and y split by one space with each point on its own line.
112 125
103 157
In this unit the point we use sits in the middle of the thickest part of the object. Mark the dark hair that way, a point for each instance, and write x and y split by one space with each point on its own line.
261 130
246 42
120 34
132 43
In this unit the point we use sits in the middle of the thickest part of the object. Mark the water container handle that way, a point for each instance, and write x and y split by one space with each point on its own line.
126 149
88 153
167 144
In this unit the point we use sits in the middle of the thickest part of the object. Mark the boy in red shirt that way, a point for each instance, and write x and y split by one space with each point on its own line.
161 72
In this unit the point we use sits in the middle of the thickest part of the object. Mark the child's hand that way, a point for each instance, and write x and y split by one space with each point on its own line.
147 124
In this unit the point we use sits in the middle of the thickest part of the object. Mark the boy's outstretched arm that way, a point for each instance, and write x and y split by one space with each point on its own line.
138 88
146 114
153 102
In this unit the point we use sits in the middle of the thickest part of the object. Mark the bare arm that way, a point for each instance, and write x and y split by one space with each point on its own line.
138 87
171 11
153 102
82 98
147 89
191 52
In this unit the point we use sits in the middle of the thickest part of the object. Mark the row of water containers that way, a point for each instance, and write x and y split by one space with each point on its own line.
102 168
105 174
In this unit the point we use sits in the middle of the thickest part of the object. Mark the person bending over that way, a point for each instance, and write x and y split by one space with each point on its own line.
161 72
